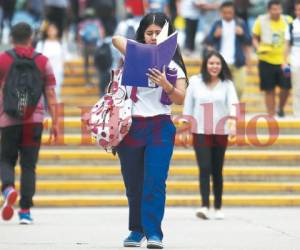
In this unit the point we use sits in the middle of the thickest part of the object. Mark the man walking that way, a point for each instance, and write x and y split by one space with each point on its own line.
26 77
268 40
230 36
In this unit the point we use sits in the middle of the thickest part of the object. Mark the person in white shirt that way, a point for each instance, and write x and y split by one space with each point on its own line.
192 11
292 37
51 46
209 101
191 15
146 151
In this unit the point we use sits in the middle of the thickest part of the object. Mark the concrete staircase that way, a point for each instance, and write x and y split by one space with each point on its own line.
77 173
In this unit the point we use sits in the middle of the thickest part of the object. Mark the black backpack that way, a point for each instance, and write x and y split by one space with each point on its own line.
23 87
103 57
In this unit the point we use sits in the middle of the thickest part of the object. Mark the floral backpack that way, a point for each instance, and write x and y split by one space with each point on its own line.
110 118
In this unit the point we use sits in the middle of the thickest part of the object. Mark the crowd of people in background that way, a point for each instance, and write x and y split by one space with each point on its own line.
86 27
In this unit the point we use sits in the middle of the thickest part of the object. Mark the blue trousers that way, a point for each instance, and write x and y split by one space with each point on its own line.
145 155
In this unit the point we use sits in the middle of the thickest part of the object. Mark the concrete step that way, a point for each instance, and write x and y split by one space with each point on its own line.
79 71
176 173
258 99
249 100
75 86
250 141
263 141
262 127
100 170
172 200
79 90
91 100
75 97
177 155
233 157
187 60
87 186
72 108
78 81
78 102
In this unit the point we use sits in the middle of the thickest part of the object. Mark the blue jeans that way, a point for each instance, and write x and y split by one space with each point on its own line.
145 155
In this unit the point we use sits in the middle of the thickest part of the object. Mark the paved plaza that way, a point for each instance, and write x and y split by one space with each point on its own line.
104 229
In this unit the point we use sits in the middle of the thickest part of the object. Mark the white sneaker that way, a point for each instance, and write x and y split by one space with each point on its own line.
202 213
219 215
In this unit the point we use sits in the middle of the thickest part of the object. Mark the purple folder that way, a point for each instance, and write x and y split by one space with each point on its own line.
171 74
140 57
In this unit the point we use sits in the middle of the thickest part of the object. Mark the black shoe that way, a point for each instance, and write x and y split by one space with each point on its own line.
280 113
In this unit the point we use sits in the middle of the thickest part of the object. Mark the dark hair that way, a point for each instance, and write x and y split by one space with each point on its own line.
225 73
159 19
273 2
46 28
21 33
296 2
227 4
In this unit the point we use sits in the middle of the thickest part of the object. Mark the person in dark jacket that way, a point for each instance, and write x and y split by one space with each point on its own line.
231 37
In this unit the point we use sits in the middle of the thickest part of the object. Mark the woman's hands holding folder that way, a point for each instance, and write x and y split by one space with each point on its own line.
160 78
175 92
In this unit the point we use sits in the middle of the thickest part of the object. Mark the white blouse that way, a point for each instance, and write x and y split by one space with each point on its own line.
54 51
148 103
209 106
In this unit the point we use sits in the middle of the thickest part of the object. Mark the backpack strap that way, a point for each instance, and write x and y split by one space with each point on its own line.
133 94
12 53
109 86
35 54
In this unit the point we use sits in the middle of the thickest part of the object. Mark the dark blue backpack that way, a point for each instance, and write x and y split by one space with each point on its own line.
89 33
